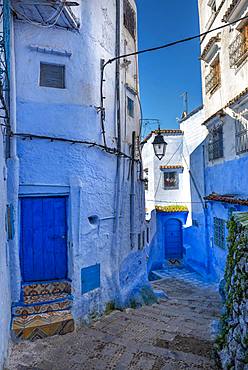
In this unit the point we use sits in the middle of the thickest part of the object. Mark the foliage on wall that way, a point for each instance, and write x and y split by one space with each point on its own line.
232 341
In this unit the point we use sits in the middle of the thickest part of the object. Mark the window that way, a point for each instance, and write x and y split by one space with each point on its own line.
130 107
241 127
212 81
219 232
215 143
139 241
52 75
212 5
171 180
147 235
238 49
129 18
143 238
146 178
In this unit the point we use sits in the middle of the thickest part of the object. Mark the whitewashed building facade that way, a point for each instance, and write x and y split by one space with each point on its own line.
225 97
74 173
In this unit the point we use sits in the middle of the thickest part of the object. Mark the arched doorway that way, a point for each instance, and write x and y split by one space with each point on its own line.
173 239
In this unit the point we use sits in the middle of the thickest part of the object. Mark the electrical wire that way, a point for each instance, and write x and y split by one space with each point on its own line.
54 17
164 46
173 202
61 139
173 43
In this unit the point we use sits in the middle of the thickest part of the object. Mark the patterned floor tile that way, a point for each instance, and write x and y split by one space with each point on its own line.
47 288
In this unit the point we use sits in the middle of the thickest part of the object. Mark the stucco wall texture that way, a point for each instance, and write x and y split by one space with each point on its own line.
98 224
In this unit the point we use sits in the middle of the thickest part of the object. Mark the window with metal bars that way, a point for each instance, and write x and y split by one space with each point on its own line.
238 49
219 233
241 136
215 143
213 79
129 18
52 75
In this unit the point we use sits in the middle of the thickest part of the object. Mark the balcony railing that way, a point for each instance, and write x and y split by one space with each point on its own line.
212 81
238 50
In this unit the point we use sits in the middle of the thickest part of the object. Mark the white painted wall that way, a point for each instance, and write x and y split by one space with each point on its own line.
87 175
156 194
194 134
233 80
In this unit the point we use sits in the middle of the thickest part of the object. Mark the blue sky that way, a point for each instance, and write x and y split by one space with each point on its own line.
166 74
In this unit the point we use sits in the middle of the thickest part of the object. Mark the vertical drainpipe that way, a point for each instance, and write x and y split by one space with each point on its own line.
132 193
206 214
13 166
116 242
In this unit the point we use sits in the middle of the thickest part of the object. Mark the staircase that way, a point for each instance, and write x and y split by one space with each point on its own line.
44 310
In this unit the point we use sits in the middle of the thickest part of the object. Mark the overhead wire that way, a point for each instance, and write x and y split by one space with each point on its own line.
152 49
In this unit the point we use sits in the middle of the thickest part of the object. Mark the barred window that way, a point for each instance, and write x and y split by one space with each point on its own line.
213 79
241 127
219 233
171 180
238 49
215 143
129 18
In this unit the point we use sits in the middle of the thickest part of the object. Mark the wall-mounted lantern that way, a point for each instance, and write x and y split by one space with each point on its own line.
159 145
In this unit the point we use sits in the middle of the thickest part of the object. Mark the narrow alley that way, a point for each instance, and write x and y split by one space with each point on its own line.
175 333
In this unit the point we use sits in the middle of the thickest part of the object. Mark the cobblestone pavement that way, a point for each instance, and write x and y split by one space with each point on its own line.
172 335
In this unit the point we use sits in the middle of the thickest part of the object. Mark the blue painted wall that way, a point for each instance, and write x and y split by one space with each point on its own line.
223 177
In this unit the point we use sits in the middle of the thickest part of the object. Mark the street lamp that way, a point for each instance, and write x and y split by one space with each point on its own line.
159 145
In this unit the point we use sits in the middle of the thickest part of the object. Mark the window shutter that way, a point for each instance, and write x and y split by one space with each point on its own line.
52 75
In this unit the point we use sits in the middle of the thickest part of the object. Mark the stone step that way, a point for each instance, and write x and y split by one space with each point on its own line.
45 288
25 310
44 298
43 325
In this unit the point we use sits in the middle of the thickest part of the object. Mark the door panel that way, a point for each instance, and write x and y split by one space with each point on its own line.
43 251
173 239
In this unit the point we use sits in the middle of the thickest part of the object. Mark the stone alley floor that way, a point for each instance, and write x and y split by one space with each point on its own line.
175 334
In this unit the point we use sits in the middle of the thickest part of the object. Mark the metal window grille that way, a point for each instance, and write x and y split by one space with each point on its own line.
171 180
212 81
219 233
129 18
215 143
130 107
241 136
52 75
238 49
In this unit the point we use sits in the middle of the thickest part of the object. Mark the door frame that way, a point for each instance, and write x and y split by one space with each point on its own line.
68 226
181 234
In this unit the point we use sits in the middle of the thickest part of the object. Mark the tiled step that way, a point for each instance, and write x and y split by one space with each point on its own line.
44 310
25 310
43 325
45 288
39 298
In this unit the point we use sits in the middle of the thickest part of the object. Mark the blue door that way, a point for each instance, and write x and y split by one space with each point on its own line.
173 239
43 249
